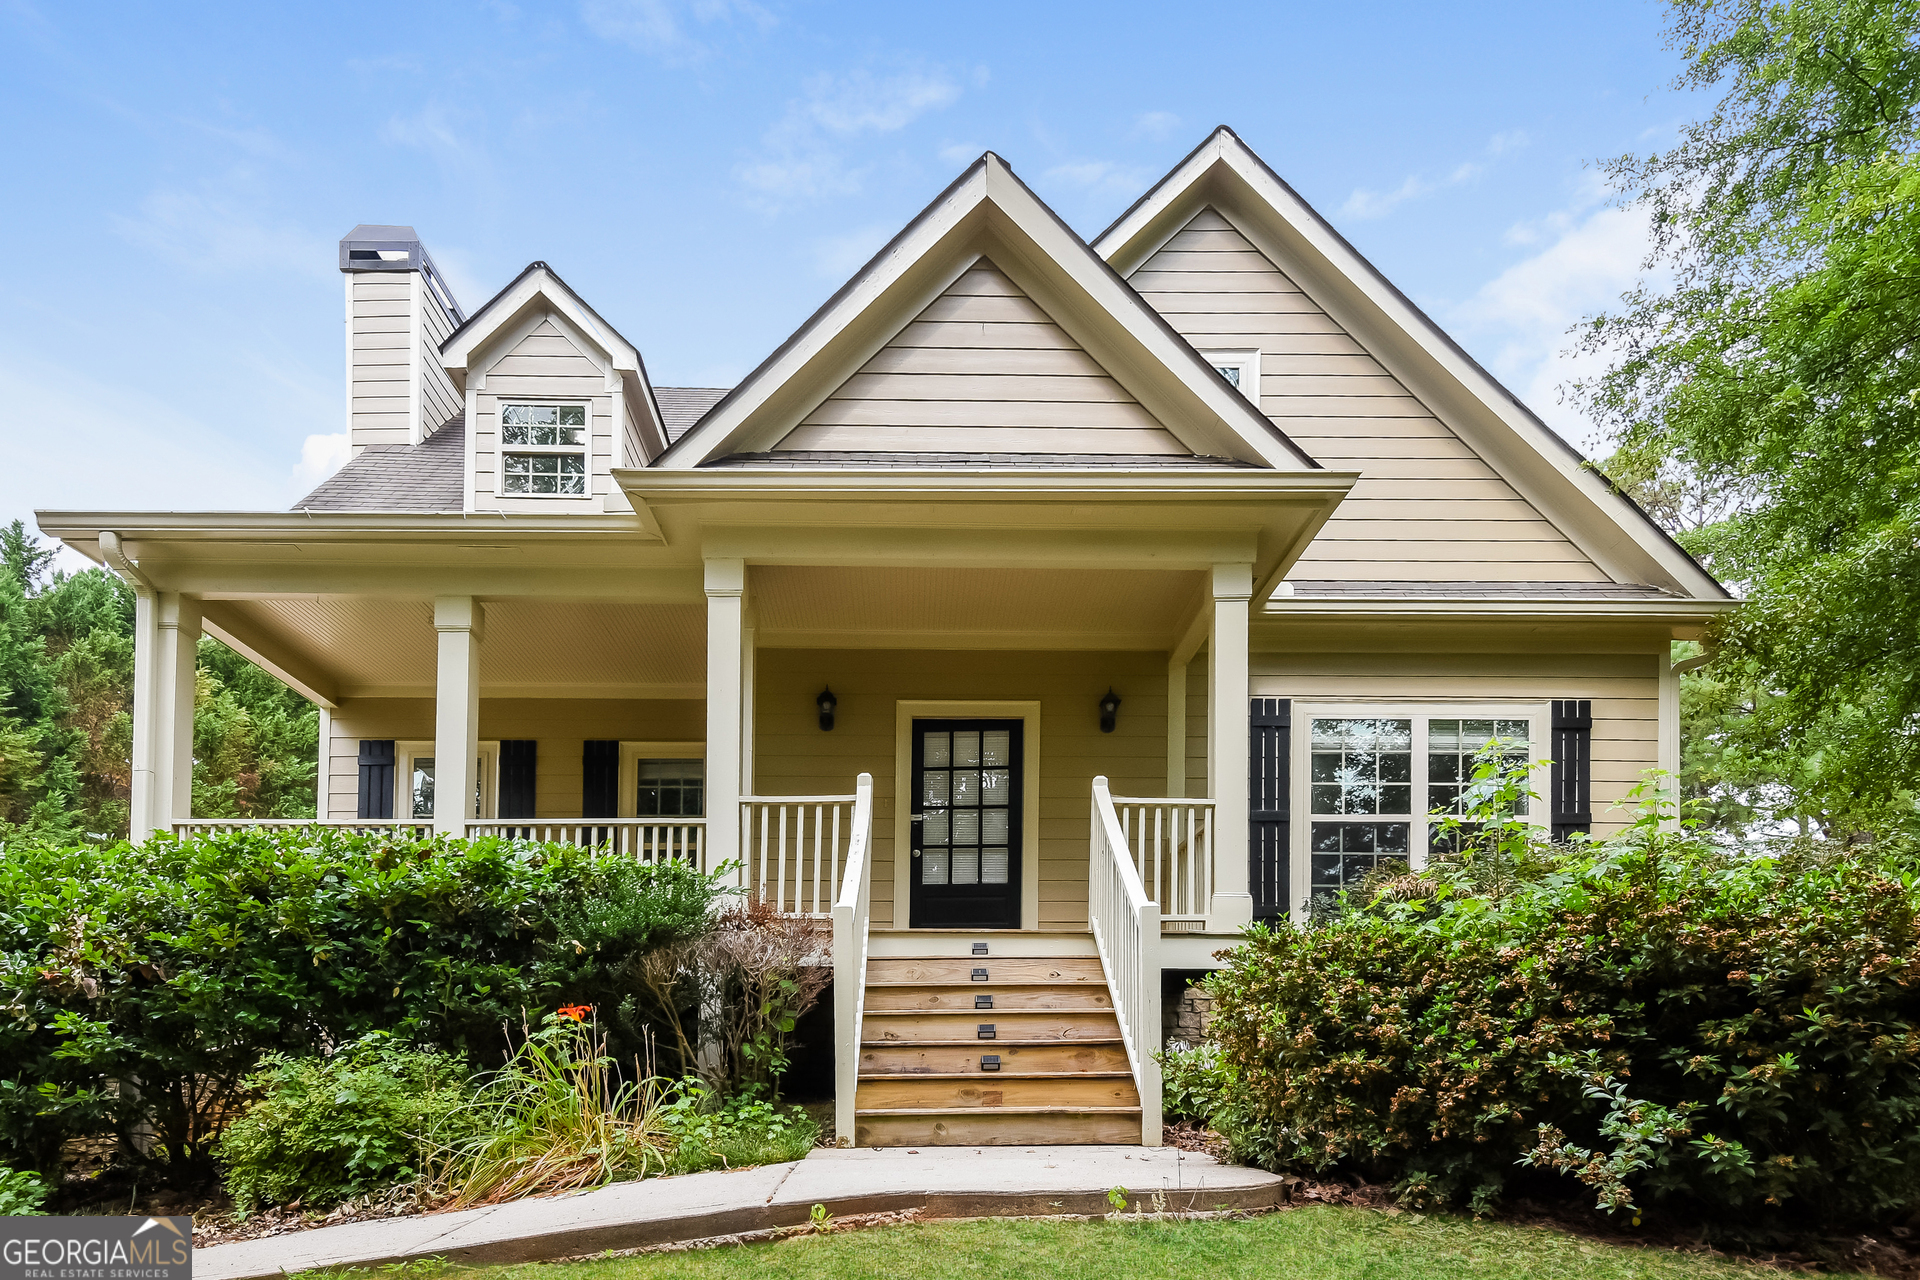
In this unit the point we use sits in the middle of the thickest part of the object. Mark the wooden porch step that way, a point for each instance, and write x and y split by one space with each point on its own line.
927 944
1001 970
962 995
996 1089
953 1057
896 1025
988 1127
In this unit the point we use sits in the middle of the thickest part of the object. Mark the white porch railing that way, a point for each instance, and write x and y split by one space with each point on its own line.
852 914
792 849
1172 844
1126 928
357 826
644 839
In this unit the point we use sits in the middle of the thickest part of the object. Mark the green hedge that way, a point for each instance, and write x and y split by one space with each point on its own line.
140 984
1731 1032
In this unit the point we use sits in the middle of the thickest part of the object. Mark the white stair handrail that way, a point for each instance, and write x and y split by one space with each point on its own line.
1126 928
852 915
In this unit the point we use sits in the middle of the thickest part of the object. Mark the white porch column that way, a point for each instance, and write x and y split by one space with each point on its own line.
1176 728
322 790
1668 741
141 807
1232 904
749 655
176 677
726 601
458 621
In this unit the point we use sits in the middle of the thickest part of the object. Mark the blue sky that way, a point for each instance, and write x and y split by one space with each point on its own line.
706 172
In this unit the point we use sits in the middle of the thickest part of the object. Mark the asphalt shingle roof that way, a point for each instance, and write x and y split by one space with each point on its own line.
681 407
429 476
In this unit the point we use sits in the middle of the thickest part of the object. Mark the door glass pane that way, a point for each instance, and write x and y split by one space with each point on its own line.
993 826
996 747
966 866
993 866
933 867
966 784
479 786
934 829
422 784
934 747
996 786
966 826
933 788
966 747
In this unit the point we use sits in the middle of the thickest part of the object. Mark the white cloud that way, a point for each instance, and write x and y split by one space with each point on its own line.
1157 125
961 152
1519 320
1100 175
320 457
1373 204
1365 203
803 153
838 256
667 28
218 233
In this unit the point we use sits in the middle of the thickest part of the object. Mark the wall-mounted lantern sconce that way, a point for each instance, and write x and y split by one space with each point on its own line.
826 702
1109 710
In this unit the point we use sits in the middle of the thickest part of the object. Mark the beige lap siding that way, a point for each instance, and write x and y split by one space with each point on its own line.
1426 506
439 400
982 369
381 336
560 725
793 756
1623 687
545 367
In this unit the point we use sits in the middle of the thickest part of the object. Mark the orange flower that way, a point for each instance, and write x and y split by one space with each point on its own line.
577 1012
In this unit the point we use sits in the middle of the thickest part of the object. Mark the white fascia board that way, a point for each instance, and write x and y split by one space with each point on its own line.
990 210
1530 455
982 484
535 288
83 527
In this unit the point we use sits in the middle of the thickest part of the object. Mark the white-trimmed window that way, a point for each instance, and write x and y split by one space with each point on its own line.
663 779
543 450
413 780
1239 366
1376 772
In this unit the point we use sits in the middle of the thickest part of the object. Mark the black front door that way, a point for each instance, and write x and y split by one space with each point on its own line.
966 824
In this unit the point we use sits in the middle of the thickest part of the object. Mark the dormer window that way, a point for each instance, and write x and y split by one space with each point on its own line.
1240 368
544 449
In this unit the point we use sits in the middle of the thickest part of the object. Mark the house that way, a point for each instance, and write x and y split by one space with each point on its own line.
1042 611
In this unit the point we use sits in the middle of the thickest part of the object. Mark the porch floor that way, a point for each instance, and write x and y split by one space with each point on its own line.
961 1182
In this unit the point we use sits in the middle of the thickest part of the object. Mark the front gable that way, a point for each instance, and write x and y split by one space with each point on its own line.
983 369
1460 482
986 329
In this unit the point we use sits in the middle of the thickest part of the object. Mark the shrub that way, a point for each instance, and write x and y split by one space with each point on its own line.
746 1129
21 1193
326 1129
181 963
1193 1084
1732 1031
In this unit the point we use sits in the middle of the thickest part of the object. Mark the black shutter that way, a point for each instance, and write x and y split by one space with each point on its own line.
516 778
376 778
1570 799
1268 798
600 769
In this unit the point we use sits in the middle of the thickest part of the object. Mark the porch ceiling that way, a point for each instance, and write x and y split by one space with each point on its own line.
359 646
810 606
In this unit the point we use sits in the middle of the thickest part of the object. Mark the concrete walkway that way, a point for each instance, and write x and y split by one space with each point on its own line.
945 1182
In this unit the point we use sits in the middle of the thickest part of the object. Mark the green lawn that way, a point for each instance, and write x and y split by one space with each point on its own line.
1317 1243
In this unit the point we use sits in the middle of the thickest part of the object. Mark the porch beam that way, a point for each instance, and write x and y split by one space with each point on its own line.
975 546
726 588
1227 763
458 623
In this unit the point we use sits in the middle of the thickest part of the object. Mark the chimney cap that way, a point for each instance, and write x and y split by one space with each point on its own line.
376 247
